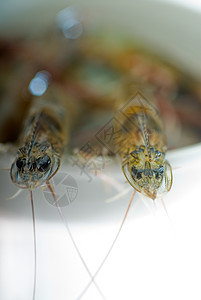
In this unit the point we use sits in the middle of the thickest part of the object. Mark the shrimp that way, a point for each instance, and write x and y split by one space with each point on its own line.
139 139
42 142
143 148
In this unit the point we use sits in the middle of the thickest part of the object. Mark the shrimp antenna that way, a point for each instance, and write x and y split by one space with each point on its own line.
110 249
72 239
118 196
15 195
166 212
34 234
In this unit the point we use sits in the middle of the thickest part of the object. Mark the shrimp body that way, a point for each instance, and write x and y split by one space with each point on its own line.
143 148
41 143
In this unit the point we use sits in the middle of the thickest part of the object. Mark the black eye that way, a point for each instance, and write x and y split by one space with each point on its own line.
136 173
139 175
43 163
133 172
20 163
159 172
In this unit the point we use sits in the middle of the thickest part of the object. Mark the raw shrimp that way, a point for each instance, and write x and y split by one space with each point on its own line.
41 146
139 138
143 148
42 143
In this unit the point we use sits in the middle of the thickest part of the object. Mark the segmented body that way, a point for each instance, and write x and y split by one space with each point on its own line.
143 148
42 141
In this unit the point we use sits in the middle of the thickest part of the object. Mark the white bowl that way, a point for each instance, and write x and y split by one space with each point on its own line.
153 257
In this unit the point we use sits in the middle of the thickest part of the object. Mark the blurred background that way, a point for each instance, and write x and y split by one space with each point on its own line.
78 45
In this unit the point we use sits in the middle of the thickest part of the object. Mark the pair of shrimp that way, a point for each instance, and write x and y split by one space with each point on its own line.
139 140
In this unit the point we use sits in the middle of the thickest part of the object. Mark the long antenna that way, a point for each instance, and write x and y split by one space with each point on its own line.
72 239
110 249
34 235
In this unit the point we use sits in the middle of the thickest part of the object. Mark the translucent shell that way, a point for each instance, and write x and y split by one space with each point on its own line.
151 188
143 148
42 140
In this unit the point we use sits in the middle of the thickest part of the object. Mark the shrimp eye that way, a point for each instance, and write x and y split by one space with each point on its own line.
159 172
20 163
136 173
43 163
139 175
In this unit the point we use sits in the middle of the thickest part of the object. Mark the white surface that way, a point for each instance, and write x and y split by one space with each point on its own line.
153 258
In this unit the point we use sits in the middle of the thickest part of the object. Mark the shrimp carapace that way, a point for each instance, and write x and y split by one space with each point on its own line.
42 142
143 148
